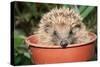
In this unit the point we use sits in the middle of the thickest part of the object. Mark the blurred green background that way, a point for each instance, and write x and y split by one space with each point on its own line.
27 16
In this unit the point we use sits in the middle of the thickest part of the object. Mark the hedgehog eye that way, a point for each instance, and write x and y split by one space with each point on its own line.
71 32
54 33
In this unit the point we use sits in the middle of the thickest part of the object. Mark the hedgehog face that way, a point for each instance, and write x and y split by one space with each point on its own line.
63 34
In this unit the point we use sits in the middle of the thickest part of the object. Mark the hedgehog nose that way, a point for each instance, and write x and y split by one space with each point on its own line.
64 44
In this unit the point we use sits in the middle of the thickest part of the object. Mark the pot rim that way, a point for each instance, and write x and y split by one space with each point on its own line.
58 47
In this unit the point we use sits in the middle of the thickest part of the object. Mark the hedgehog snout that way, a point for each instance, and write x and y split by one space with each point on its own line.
64 43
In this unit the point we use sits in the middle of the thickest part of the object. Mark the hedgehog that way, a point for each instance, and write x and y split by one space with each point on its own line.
62 26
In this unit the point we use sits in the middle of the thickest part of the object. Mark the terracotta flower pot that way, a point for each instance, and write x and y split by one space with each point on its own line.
72 53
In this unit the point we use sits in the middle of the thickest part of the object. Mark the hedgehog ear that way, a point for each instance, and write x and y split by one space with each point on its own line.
78 25
76 28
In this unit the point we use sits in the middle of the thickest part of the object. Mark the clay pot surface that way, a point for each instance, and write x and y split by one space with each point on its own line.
44 54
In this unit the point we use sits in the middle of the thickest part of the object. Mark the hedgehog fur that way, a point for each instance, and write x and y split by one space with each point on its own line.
61 24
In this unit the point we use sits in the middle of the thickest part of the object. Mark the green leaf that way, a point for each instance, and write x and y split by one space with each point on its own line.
66 6
82 8
18 38
27 54
86 12
17 41
17 60
76 9
33 9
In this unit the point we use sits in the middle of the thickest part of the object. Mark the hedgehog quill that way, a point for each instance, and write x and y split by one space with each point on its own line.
62 27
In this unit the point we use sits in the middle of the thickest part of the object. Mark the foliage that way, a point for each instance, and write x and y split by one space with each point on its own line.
21 55
27 16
